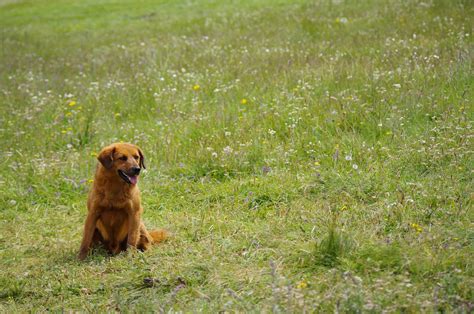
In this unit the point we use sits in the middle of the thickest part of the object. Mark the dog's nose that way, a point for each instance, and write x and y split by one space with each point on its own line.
136 170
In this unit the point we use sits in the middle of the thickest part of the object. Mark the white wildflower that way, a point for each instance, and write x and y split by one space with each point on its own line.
227 150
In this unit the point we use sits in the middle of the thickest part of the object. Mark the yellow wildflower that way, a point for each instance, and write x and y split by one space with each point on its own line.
72 103
416 227
302 284
243 101
196 87
90 180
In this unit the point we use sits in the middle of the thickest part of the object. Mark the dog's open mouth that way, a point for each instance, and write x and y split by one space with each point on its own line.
130 179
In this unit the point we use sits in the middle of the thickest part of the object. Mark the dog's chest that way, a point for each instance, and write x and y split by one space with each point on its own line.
114 217
116 203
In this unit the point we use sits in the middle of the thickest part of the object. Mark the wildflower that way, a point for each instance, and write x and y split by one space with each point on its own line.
416 227
397 85
355 167
302 284
342 20
317 164
214 154
72 103
227 133
227 150
93 154
348 157
90 181
271 132
117 114
196 87
243 101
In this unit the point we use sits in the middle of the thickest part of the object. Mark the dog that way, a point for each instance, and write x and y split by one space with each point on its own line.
114 206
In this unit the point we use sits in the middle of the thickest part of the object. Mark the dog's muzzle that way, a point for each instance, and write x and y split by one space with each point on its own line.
130 178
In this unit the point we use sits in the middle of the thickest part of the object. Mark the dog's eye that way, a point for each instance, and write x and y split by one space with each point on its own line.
136 157
124 158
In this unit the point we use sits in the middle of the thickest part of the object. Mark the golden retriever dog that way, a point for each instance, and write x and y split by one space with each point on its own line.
114 207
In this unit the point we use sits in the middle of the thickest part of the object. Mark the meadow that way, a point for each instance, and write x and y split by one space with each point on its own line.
307 156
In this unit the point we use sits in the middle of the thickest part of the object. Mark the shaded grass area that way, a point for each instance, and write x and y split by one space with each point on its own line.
306 155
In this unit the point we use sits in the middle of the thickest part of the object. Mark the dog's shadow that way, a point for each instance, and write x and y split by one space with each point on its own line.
96 256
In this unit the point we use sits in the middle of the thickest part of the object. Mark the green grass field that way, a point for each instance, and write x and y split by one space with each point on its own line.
308 156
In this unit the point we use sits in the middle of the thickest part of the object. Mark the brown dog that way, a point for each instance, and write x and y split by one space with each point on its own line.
114 217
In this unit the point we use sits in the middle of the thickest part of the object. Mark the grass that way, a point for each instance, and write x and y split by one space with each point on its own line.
306 155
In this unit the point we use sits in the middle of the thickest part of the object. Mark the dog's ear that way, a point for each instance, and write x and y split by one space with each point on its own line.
142 158
106 156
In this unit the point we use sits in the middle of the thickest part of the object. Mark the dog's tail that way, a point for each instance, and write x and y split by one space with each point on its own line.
159 235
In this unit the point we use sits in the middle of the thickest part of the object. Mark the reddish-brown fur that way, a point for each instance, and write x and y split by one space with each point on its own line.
114 207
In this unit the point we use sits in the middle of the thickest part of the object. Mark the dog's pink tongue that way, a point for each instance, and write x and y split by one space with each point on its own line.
133 179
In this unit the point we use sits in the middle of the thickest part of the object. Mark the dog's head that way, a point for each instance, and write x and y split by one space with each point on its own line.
123 159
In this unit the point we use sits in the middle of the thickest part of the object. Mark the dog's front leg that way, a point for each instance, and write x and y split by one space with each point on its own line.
133 228
89 228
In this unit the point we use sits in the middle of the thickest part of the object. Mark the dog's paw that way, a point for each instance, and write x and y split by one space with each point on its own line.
82 255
